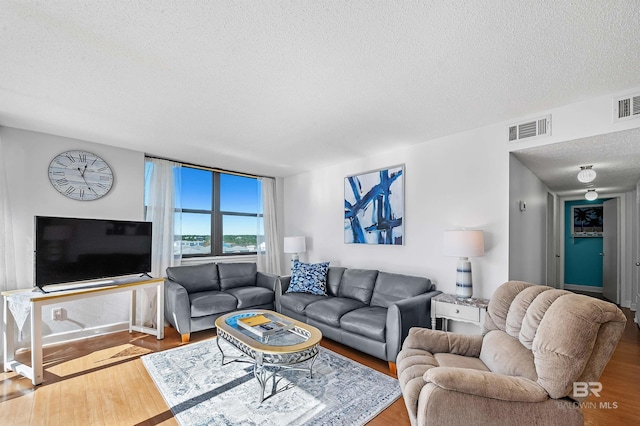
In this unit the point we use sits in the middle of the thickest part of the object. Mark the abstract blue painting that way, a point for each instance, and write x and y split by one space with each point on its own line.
374 207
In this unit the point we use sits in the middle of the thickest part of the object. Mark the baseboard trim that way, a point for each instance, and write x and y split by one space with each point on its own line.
589 288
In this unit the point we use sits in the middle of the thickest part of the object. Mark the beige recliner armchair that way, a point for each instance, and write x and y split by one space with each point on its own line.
537 341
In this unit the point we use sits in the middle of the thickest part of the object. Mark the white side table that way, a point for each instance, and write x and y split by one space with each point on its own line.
449 307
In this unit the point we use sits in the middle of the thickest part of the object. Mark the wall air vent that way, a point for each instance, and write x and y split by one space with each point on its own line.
530 129
626 107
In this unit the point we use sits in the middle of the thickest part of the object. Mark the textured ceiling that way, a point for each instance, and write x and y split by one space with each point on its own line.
279 87
615 157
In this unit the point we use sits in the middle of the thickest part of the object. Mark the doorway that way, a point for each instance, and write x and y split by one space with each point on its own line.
592 256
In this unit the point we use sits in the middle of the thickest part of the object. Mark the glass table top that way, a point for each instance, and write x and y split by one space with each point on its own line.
290 337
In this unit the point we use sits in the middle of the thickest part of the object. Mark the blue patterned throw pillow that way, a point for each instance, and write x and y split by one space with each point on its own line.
309 278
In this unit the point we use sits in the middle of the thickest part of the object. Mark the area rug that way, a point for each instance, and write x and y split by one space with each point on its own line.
200 391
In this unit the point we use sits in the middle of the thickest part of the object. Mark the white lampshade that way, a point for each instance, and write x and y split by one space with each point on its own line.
464 243
586 174
591 195
294 244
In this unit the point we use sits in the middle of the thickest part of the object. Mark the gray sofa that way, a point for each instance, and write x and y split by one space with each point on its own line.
196 295
365 309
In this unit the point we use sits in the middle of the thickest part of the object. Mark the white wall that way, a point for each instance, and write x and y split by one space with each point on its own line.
26 157
591 117
455 181
452 182
527 229
579 120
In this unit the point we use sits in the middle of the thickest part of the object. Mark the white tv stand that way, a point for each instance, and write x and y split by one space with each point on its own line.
37 300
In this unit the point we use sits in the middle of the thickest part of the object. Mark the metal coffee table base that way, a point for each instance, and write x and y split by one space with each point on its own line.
267 366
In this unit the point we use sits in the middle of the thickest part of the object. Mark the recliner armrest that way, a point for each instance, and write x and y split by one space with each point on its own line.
177 307
404 314
486 384
436 341
266 280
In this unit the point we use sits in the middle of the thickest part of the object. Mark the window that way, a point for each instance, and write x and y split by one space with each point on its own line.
221 213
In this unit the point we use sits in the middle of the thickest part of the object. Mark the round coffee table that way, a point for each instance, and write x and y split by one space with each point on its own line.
286 350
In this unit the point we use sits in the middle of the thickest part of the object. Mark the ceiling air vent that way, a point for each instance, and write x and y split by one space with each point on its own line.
530 129
626 107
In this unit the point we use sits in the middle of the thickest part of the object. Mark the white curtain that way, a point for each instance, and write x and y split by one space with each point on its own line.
162 187
7 249
268 241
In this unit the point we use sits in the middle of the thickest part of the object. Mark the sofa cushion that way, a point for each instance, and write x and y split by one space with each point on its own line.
369 321
195 278
309 278
390 288
334 275
211 302
358 284
251 296
330 310
297 302
234 275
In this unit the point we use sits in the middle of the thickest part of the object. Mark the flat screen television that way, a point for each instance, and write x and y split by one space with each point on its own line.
72 249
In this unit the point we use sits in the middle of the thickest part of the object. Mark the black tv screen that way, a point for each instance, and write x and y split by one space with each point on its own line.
71 249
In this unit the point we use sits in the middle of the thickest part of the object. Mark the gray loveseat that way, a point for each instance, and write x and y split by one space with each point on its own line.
196 295
368 310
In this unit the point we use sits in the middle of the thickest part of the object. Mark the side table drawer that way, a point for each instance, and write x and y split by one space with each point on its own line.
468 313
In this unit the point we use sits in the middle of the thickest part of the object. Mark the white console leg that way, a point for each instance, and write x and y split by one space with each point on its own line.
36 343
160 311
8 326
132 310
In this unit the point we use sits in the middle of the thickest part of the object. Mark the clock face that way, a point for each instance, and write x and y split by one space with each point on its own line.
80 175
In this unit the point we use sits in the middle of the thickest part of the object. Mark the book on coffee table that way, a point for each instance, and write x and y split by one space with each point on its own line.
263 326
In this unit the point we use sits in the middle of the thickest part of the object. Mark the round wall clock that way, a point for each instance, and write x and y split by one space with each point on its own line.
80 175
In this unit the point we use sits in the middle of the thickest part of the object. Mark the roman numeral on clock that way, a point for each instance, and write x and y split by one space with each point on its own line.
82 157
62 181
70 189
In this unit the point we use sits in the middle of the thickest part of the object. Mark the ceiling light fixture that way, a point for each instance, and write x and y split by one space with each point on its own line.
591 194
586 174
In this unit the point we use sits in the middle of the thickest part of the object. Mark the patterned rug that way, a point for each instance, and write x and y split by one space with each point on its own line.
200 391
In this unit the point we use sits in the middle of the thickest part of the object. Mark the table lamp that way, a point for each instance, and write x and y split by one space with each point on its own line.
294 245
464 244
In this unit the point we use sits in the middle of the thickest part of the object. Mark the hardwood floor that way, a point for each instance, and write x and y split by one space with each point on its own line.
620 383
101 381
